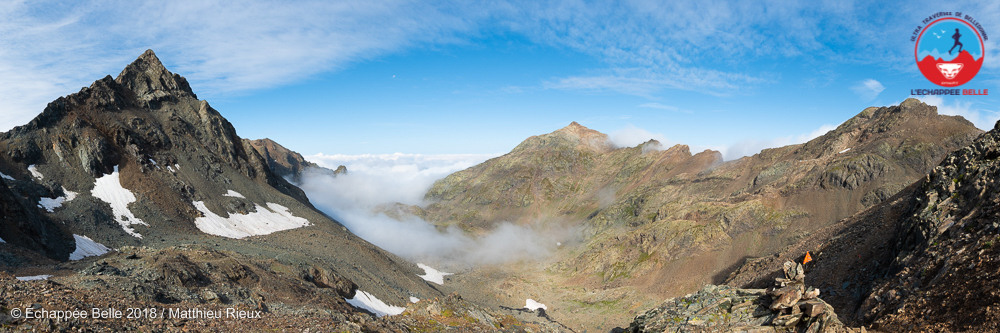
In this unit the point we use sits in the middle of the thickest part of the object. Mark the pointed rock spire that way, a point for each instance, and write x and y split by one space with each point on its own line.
147 77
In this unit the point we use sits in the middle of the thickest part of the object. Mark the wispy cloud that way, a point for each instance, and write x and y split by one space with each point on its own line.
631 136
750 147
701 46
983 119
663 107
221 47
868 89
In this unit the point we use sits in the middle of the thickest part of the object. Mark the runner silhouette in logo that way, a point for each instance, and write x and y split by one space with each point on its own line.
956 36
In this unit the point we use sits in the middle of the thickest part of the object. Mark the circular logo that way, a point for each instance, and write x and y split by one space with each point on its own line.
949 52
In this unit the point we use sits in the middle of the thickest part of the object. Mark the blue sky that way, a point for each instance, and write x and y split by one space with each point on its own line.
439 77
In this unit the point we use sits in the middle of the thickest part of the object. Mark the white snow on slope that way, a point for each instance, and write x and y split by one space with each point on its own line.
844 151
34 277
261 222
432 275
2 175
154 163
412 299
51 204
34 172
1 240
533 305
86 247
109 189
368 302
234 194
171 169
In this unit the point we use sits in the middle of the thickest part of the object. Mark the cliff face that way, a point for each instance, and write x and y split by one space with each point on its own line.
139 160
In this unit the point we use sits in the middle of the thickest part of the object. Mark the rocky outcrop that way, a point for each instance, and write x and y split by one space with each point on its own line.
788 306
287 163
25 226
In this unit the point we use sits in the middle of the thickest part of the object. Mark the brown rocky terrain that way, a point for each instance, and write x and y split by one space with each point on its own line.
924 260
789 306
171 289
662 222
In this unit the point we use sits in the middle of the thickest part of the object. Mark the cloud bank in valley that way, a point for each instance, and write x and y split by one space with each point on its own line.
374 180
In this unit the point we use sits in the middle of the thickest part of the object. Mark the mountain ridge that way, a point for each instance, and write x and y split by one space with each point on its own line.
150 165
662 222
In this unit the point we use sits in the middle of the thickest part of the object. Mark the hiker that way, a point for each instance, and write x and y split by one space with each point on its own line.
956 36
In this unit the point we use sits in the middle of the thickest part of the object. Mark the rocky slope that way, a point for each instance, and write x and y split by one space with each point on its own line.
139 160
661 221
287 163
647 207
925 260
170 285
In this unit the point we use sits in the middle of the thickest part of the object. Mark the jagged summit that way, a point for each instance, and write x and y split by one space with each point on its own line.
149 79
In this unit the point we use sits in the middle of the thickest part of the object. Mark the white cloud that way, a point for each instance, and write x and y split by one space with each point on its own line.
631 136
982 118
868 89
750 147
380 179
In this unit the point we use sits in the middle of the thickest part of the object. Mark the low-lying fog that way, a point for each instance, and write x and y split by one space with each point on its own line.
372 180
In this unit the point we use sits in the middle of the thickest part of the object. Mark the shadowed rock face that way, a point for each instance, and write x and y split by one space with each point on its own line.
287 163
666 221
170 150
25 226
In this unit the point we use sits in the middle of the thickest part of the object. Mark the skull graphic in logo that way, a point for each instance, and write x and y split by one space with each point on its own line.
950 71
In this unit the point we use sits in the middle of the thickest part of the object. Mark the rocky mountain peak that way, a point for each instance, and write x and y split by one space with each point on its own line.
150 80
584 137
581 131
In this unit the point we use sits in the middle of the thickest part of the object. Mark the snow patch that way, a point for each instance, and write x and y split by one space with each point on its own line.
51 204
86 247
2 175
844 151
109 189
154 163
233 194
1 240
432 275
533 305
177 166
414 299
171 169
262 222
34 172
34 277
368 302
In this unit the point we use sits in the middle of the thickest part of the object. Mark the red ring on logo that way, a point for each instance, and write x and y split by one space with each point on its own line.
932 73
